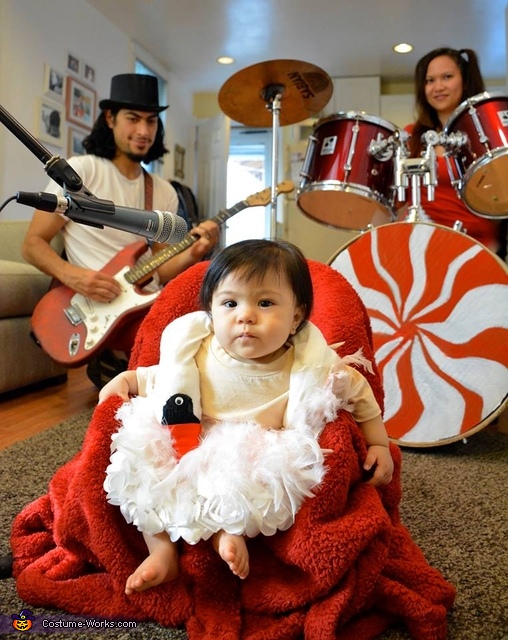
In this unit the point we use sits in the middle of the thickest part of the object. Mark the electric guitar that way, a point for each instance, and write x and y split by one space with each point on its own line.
71 328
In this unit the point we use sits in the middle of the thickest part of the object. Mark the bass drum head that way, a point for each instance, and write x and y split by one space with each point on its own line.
438 304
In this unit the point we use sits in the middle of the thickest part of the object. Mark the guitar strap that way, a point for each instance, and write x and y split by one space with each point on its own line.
148 189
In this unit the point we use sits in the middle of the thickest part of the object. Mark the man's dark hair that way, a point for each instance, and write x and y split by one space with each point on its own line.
101 141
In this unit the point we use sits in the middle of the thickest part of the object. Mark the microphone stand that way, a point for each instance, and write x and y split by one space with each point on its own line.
57 168
82 202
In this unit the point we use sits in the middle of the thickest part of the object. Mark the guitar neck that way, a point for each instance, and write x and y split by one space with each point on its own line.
145 266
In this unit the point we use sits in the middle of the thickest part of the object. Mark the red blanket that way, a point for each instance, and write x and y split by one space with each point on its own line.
347 568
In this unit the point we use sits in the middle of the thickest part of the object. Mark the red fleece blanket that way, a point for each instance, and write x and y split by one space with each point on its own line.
347 568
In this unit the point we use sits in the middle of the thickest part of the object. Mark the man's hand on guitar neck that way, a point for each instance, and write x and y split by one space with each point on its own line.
207 234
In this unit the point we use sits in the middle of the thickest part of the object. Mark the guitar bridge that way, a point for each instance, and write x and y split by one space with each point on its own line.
74 315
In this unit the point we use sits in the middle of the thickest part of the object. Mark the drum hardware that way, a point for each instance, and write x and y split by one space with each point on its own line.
458 225
291 90
305 170
418 171
382 148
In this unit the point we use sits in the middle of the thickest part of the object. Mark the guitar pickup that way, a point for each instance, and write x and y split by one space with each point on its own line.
73 315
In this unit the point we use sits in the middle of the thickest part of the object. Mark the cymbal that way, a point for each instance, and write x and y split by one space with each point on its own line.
305 90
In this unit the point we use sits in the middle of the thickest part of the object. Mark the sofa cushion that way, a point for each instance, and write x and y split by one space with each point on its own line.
21 287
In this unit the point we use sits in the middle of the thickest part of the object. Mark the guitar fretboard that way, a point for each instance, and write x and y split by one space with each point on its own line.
145 266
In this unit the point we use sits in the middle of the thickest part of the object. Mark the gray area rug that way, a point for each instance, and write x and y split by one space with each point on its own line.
455 504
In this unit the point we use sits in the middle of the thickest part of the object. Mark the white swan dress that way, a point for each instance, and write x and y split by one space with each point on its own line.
258 456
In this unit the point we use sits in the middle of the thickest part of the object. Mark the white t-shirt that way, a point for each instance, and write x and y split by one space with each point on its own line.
236 391
93 248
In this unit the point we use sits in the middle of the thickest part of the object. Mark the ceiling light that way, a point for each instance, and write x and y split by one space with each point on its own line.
403 47
225 60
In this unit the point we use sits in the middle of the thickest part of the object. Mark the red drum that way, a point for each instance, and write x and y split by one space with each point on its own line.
343 184
480 167
438 304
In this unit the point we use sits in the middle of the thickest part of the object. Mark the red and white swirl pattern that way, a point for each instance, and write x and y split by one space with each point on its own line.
438 303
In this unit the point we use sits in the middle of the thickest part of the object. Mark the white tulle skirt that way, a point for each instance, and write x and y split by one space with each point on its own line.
242 479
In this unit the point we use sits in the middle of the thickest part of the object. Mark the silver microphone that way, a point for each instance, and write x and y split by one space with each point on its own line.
159 226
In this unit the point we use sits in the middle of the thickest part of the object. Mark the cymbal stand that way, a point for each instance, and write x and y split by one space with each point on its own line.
272 94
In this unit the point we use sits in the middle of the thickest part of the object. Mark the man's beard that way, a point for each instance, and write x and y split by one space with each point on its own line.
136 157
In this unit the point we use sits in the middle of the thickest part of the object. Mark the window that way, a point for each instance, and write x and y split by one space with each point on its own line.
249 171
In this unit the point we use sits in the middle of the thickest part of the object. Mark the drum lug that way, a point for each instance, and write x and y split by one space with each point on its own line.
349 161
309 155
476 120
458 225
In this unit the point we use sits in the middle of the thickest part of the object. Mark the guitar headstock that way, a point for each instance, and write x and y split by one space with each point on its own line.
262 198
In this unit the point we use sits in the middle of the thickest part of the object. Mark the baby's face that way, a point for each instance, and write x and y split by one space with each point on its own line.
253 319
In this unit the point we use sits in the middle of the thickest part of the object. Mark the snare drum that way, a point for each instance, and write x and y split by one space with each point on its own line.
438 304
343 184
480 168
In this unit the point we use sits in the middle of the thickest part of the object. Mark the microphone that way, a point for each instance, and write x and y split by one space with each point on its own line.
159 226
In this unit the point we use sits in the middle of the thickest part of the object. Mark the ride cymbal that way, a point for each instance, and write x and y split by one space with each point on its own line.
305 89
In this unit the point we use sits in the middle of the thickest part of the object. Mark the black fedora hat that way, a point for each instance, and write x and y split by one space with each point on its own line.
133 91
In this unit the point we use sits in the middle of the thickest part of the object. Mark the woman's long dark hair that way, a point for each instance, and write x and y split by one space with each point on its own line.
251 260
101 141
426 116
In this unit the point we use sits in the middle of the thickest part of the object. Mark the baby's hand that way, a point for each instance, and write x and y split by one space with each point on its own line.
119 386
379 458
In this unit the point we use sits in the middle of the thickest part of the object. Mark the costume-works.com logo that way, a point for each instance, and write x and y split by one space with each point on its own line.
23 620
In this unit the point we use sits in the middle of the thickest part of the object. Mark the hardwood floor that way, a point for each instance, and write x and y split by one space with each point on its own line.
26 413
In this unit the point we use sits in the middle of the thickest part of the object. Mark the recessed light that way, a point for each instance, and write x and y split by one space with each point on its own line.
225 60
403 47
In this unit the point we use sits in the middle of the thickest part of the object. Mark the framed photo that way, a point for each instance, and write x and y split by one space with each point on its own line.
73 63
179 169
53 83
80 103
49 121
88 74
75 139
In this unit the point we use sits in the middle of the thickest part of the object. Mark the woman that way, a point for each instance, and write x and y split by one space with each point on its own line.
444 78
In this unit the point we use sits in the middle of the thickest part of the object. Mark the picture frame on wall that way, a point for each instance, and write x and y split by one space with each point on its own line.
179 169
73 63
53 83
75 139
88 73
49 121
80 103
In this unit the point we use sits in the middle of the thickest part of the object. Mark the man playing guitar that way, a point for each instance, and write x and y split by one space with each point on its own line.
127 132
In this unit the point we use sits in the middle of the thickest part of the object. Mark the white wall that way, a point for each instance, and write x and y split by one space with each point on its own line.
33 33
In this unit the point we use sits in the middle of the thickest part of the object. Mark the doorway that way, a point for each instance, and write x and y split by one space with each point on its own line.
248 171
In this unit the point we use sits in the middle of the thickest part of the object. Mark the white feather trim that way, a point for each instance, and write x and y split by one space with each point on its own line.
242 479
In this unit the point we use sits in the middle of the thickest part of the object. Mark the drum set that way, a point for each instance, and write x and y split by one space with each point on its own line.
437 298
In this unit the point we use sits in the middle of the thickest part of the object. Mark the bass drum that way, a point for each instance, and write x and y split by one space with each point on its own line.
438 304
480 168
344 185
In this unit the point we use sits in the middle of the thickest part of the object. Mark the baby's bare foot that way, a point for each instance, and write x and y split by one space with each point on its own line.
233 550
160 566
